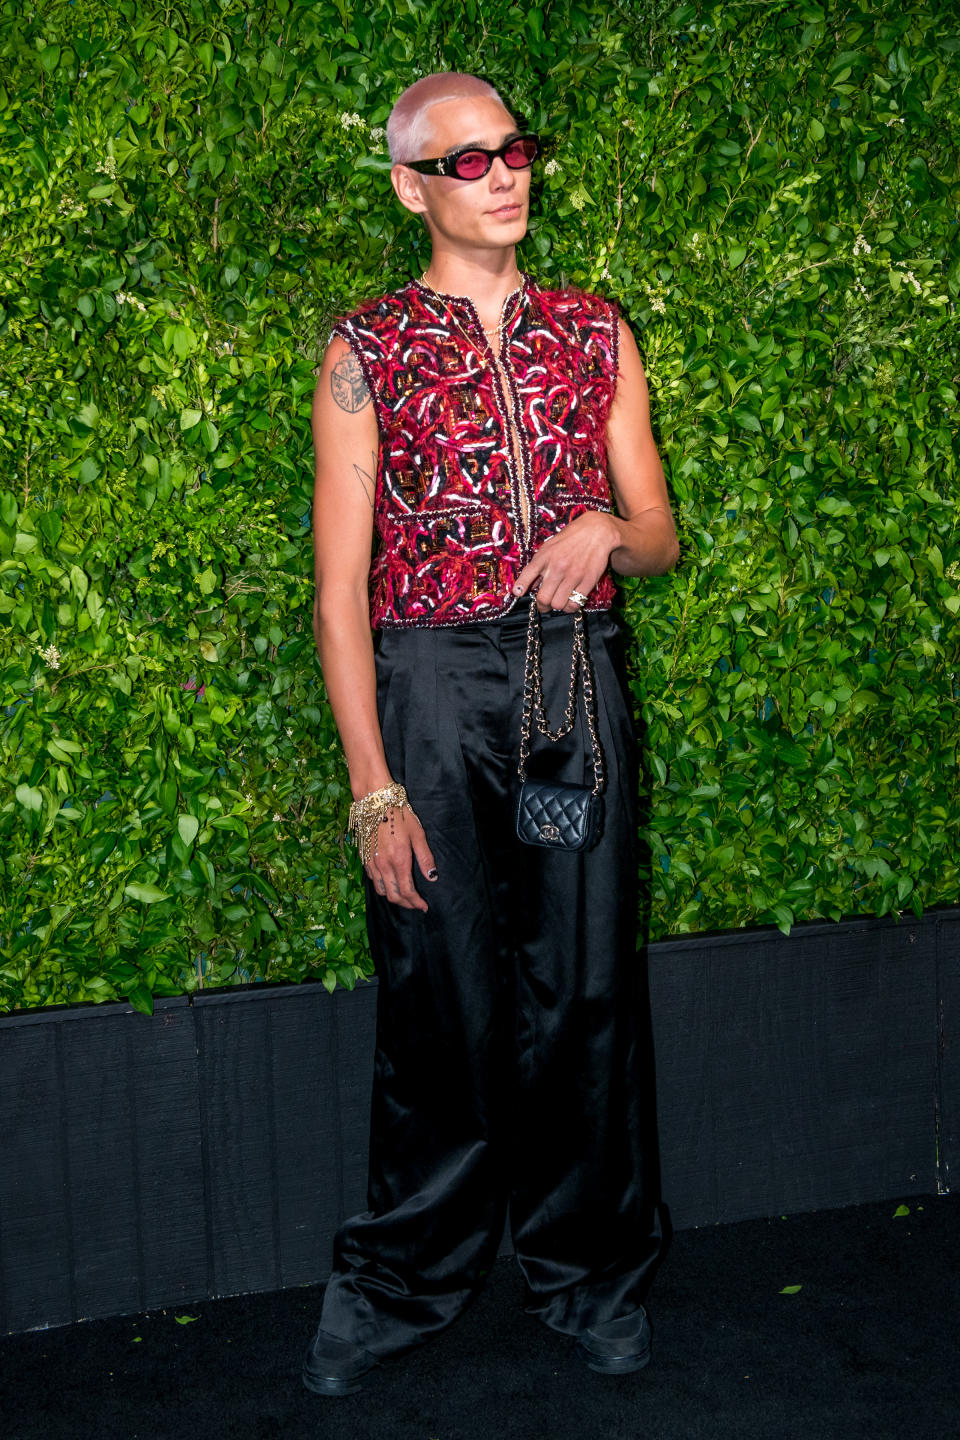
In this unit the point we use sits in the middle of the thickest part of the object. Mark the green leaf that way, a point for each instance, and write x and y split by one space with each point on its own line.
141 998
147 894
791 1289
189 418
900 1211
29 798
187 826
736 255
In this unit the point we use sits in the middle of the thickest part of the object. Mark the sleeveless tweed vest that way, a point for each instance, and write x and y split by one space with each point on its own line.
480 462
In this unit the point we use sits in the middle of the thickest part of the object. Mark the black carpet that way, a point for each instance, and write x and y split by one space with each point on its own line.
867 1347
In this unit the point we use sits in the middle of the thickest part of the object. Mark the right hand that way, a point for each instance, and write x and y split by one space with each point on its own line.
400 840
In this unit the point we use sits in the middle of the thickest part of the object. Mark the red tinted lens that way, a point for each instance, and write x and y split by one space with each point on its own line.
472 164
521 153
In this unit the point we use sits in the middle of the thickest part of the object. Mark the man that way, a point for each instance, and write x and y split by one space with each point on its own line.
474 423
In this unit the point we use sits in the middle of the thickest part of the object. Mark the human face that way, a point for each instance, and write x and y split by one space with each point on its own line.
488 213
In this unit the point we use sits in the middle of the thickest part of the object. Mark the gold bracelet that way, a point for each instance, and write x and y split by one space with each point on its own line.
369 812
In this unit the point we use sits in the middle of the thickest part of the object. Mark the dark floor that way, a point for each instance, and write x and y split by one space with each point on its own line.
867 1347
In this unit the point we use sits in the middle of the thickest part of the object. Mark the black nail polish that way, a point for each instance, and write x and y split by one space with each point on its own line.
432 874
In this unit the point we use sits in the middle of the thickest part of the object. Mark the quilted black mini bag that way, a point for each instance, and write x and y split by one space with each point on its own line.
557 813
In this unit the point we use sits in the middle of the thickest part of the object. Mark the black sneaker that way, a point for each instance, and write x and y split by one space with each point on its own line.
334 1366
617 1346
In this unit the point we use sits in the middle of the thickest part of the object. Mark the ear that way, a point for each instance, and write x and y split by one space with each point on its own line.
408 185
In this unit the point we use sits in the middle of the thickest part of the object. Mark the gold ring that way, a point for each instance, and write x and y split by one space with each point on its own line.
577 597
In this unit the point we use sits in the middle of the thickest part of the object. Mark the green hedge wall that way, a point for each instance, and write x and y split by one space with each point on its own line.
194 190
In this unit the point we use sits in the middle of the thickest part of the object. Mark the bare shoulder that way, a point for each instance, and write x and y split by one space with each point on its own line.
631 389
341 380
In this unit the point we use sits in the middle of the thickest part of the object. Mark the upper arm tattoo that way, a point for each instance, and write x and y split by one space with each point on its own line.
347 385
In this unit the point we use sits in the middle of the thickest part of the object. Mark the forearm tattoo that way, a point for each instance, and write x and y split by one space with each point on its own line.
347 385
366 477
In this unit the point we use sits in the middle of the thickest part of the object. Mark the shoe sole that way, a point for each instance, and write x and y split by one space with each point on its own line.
332 1384
613 1364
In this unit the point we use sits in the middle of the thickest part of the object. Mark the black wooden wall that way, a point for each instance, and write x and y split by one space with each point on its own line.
212 1148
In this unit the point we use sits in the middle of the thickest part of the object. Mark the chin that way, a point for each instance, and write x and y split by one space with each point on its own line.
510 230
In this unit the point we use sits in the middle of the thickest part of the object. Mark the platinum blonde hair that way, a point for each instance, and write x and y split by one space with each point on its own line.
409 129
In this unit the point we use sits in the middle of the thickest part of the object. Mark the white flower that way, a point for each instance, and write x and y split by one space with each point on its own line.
896 120
122 298
860 246
377 133
107 166
577 200
911 279
655 298
51 655
551 167
349 118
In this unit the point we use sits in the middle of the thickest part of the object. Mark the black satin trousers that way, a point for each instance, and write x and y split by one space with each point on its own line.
513 1060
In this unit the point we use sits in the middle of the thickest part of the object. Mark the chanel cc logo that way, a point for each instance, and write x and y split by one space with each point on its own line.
549 832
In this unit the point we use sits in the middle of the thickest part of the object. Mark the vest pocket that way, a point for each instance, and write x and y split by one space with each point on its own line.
457 530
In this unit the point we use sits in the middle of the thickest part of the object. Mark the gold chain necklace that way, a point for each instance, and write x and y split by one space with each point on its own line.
494 329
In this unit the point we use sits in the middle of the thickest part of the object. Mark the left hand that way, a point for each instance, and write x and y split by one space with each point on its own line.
572 559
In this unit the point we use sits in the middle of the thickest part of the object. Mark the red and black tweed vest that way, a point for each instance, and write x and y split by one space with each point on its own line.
459 507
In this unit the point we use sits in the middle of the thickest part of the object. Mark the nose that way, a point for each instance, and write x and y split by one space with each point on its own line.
500 171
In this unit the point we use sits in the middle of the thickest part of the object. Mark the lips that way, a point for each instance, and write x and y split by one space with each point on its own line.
506 211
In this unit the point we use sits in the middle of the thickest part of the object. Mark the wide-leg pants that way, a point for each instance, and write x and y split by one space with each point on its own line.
513 1061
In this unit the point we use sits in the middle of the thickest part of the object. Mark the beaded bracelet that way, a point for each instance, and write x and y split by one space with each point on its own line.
368 813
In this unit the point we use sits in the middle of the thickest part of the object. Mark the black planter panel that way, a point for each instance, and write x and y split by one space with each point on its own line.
213 1148
795 1073
285 1074
948 1047
101 1186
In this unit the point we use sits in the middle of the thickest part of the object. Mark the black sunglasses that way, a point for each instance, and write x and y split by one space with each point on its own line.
473 162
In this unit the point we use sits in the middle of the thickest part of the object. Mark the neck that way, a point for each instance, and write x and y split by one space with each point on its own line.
487 278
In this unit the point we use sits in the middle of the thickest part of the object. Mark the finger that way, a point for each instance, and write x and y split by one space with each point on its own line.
553 593
530 573
400 887
376 879
424 854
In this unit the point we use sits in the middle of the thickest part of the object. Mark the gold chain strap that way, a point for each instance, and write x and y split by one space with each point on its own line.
533 695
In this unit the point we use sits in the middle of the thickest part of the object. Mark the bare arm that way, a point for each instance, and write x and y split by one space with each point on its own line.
647 537
345 440
641 539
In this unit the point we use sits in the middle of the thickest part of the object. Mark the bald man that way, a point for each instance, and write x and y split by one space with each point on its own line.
489 441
